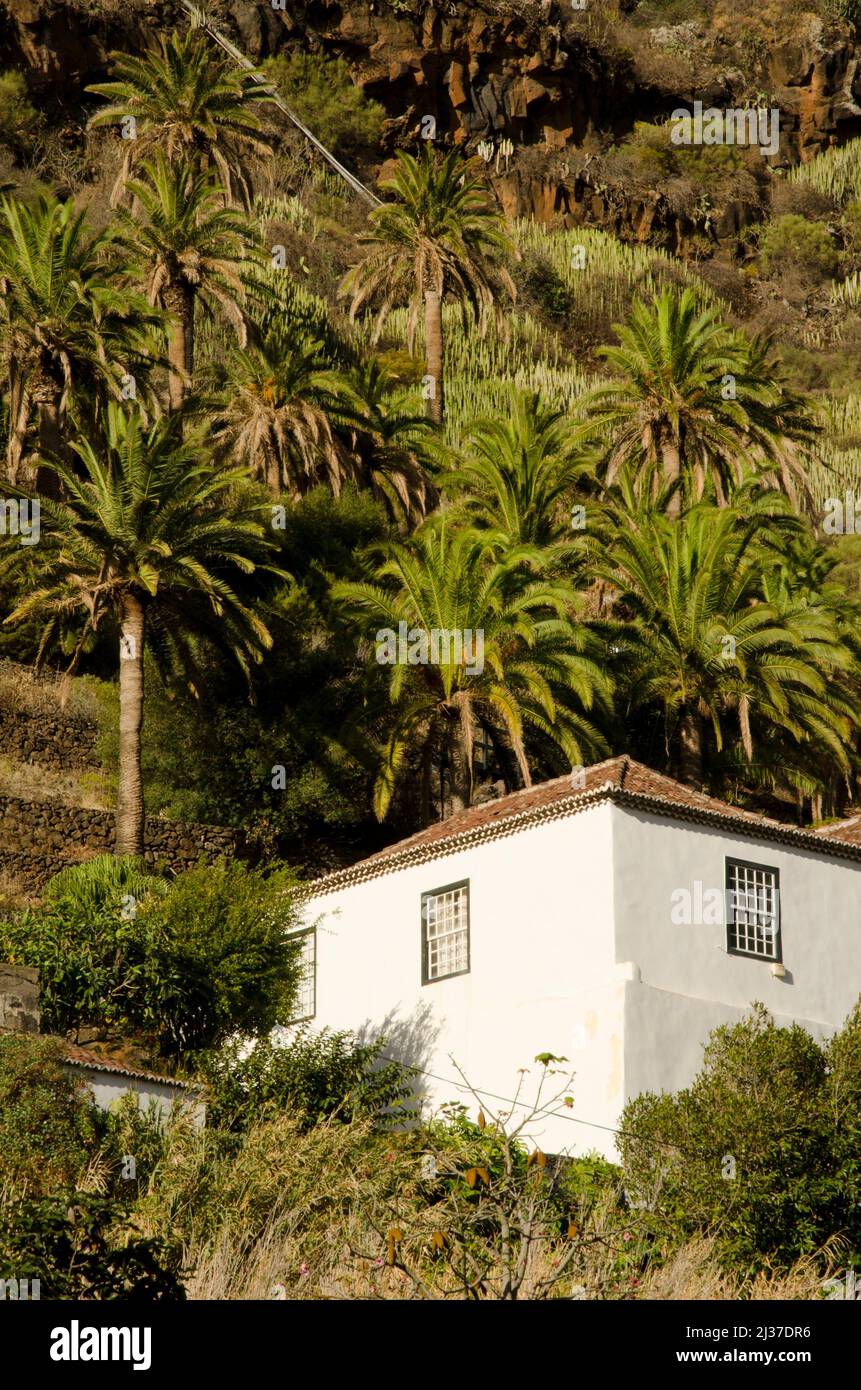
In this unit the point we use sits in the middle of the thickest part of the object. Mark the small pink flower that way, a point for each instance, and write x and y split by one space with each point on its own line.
378 1260
303 1269
627 1236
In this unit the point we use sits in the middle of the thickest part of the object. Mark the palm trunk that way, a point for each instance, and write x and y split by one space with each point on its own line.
51 445
179 302
461 768
692 749
19 418
672 465
130 806
433 348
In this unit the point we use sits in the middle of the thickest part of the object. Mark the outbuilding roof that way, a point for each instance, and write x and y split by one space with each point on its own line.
96 1061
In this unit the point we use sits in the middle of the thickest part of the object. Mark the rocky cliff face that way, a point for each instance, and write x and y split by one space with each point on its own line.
532 73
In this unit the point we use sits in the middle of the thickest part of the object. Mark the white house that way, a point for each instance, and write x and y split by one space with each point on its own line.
614 922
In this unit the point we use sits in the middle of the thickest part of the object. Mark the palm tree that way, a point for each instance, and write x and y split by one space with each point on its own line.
69 320
520 474
193 249
189 104
508 657
278 411
700 401
695 636
393 446
441 236
152 536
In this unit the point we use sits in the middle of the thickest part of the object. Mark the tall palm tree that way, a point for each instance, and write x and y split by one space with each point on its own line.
520 473
278 412
695 636
193 250
190 104
522 662
440 237
151 536
69 319
393 446
701 401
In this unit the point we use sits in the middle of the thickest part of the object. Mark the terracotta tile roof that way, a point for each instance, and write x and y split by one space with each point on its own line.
97 1061
621 780
847 830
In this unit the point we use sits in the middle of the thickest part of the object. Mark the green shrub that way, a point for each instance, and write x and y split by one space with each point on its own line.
793 243
184 964
221 934
756 1151
548 289
48 1129
323 95
18 118
316 1075
80 1246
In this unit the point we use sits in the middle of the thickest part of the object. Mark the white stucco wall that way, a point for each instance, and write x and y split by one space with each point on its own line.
542 977
107 1088
689 983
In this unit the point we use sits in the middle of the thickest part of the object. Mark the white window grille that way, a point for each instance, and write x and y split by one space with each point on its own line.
445 932
305 1004
753 910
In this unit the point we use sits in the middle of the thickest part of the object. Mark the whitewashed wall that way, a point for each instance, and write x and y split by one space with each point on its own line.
543 975
688 981
107 1088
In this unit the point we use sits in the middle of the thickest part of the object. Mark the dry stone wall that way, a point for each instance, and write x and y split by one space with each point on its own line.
38 838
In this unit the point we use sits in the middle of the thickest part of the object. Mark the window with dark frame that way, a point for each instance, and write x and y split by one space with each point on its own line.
445 932
305 1003
753 910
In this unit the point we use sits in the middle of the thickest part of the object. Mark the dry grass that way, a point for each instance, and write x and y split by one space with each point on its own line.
36 782
693 1272
14 895
48 693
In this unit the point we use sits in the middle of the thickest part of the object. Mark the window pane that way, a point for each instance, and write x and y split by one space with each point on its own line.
446 924
752 910
305 1005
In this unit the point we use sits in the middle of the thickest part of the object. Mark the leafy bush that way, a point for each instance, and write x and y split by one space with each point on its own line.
756 1151
322 93
793 243
47 1127
316 1075
549 290
18 117
650 155
184 964
222 937
79 1245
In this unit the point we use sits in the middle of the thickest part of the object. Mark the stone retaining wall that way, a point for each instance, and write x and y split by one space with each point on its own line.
38 838
64 742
